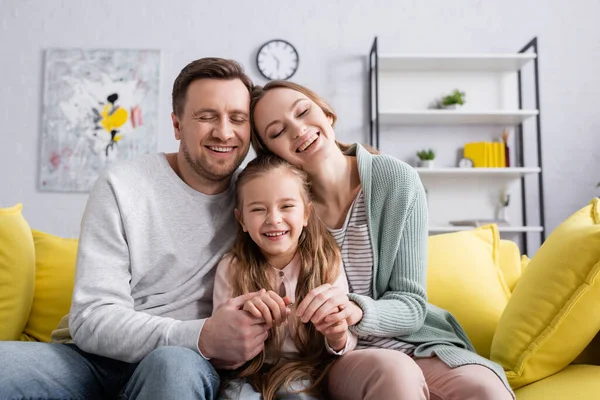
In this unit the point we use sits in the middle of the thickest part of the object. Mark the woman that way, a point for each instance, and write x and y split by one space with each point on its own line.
375 207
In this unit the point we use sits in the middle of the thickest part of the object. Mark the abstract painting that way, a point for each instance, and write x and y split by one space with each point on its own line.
99 107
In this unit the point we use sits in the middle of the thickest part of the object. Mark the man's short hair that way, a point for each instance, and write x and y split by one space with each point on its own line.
206 68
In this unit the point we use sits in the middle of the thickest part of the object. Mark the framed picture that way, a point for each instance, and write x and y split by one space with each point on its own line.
99 107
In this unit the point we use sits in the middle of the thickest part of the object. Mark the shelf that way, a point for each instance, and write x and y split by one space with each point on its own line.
506 229
513 172
455 62
456 117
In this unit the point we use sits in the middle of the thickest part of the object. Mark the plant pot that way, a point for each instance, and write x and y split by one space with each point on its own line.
452 107
426 163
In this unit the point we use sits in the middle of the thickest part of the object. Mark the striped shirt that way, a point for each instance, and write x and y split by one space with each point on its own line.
357 254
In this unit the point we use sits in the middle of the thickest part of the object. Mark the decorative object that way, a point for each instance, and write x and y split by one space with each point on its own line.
465 163
486 154
426 158
99 106
277 59
501 211
451 101
506 149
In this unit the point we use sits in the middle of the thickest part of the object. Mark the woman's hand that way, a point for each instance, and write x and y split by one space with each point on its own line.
353 314
269 306
321 302
336 333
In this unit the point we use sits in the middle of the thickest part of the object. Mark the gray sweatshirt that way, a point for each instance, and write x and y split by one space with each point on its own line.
148 247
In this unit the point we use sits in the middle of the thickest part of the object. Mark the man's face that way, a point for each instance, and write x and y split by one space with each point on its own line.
214 130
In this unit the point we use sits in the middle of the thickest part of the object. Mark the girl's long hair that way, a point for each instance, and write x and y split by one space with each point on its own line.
320 261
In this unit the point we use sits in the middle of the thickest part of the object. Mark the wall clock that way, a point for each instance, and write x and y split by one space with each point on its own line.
277 59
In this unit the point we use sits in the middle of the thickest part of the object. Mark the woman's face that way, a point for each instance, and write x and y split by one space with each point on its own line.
294 127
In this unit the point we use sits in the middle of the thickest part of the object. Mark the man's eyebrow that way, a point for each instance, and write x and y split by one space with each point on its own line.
241 112
276 121
203 110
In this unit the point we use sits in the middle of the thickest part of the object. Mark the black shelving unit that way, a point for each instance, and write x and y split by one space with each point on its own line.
374 125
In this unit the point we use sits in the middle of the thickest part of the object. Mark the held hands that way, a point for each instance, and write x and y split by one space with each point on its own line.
230 337
328 308
269 306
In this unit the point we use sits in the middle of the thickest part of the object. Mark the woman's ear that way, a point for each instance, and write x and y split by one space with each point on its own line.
238 216
330 119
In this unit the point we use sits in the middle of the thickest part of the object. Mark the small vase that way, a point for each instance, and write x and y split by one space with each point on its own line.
426 163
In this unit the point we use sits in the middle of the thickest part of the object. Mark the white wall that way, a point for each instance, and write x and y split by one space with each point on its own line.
333 39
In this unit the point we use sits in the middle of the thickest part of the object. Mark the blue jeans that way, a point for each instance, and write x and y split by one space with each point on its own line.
48 370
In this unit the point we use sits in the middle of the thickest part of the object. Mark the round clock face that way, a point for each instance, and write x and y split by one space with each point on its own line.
277 59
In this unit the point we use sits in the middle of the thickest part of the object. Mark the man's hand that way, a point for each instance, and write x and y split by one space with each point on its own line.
231 335
269 306
229 365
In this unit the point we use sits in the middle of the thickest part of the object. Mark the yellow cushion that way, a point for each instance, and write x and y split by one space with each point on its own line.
464 278
17 272
524 263
573 383
510 262
54 278
554 311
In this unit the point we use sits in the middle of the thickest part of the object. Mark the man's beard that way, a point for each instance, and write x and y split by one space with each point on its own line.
203 170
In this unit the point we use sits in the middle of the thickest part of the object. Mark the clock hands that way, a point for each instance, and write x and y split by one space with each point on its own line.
277 61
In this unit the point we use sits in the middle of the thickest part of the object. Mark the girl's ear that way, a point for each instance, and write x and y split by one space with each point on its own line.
238 216
307 210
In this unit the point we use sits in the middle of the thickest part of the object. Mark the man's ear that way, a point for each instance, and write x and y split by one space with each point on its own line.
238 216
176 126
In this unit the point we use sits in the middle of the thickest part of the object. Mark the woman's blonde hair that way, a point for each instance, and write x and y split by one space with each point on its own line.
320 261
259 92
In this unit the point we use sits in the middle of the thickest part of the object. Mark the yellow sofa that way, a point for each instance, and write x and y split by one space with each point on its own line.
527 315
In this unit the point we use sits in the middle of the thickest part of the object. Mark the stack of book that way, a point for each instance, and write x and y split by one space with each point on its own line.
487 154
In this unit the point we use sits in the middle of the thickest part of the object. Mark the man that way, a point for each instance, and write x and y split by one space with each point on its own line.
154 228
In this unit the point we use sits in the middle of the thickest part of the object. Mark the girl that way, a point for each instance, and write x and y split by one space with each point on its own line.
284 251
375 207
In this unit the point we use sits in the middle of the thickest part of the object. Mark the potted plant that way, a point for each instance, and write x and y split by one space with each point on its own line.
426 157
453 100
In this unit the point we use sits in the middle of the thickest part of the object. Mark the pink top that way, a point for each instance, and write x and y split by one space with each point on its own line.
288 277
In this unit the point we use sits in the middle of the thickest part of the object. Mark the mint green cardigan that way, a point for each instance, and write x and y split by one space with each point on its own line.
398 225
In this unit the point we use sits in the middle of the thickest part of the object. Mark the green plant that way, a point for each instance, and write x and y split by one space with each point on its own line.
426 154
457 97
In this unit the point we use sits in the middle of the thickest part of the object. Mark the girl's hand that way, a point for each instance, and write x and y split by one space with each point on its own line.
268 306
321 302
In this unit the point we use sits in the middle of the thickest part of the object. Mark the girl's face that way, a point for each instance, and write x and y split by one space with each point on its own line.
294 127
273 213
